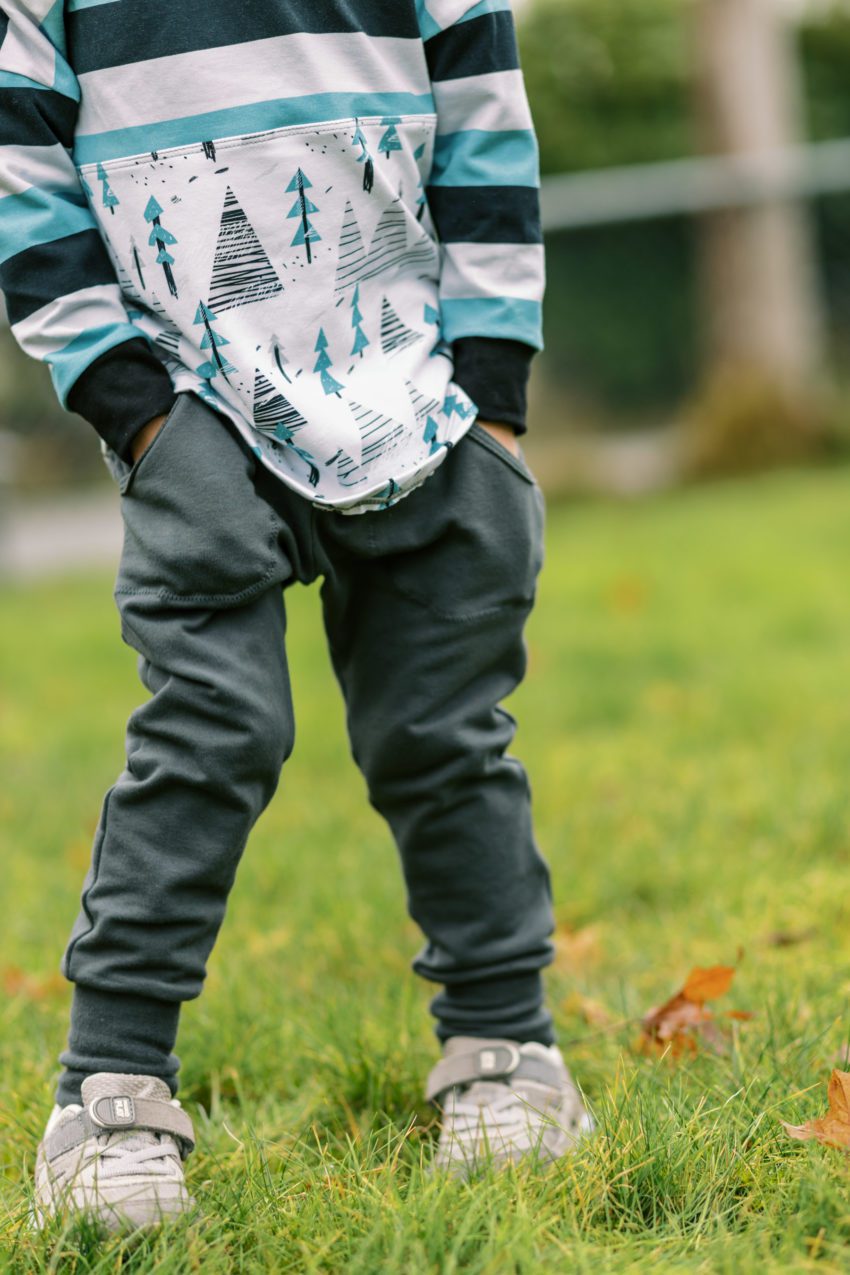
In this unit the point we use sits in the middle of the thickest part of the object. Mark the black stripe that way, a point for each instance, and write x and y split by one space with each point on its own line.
39 275
475 47
486 214
135 30
36 117
4 26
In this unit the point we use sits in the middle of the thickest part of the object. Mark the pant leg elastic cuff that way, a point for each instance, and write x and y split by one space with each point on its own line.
118 1031
509 1008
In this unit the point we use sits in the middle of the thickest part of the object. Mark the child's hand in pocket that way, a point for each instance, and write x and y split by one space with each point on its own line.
142 441
503 434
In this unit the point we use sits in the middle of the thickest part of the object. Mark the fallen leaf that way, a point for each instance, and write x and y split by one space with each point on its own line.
833 1129
709 984
576 947
682 1022
594 1014
18 983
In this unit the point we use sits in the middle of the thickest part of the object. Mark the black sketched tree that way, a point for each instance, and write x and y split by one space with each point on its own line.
364 158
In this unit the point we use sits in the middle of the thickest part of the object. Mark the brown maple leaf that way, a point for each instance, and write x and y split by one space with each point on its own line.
833 1129
680 1022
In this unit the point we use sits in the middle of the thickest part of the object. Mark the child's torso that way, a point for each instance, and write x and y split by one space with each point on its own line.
258 172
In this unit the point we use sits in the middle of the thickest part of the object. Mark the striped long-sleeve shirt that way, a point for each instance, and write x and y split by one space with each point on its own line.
320 215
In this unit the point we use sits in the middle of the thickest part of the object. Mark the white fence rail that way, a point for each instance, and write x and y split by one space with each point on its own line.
643 192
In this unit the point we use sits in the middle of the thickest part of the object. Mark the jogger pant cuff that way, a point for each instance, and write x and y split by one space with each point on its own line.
137 1031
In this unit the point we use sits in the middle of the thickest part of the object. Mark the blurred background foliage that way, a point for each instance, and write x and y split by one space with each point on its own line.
610 83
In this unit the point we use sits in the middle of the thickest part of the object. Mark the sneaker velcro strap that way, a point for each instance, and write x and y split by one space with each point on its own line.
109 1114
500 1060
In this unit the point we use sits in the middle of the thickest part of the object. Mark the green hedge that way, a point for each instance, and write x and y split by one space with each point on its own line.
609 84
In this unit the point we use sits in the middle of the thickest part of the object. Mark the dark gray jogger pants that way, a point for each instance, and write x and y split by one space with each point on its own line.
424 605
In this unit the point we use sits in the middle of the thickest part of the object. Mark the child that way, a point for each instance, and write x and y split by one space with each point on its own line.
287 261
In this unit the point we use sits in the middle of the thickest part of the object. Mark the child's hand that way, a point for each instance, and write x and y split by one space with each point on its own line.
146 435
503 434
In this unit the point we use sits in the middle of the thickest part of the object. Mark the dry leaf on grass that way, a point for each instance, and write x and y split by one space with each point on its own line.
17 982
833 1129
592 1012
684 1021
575 948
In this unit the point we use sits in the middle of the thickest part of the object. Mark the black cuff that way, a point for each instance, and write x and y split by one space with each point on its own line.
120 391
494 372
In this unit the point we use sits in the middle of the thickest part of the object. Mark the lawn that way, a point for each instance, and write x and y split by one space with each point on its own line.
686 725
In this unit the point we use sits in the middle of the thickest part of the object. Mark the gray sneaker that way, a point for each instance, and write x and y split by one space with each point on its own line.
502 1102
118 1157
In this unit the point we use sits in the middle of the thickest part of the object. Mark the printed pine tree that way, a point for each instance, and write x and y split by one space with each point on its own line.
420 189
395 335
211 341
323 362
275 350
364 157
424 408
241 271
351 256
360 338
110 199
390 140
306 233
275 416
452 404
379 434
137 262
159 237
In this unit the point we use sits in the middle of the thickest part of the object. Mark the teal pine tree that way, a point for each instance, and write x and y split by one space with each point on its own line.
364 157
212 341
323 362
424 409
360 338
110 199
420 189
306 233
390 140
158 238
430 434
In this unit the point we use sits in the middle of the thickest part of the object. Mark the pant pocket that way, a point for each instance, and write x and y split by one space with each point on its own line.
471 543
195 528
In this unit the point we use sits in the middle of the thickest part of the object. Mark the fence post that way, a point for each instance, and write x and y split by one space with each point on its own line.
761 309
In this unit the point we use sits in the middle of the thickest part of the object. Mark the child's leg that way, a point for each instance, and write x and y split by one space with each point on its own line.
425 605
204 752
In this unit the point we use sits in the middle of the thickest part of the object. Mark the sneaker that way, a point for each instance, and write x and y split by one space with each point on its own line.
118 1157
502 1102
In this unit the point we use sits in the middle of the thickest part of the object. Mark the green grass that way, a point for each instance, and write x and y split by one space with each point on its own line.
686 725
